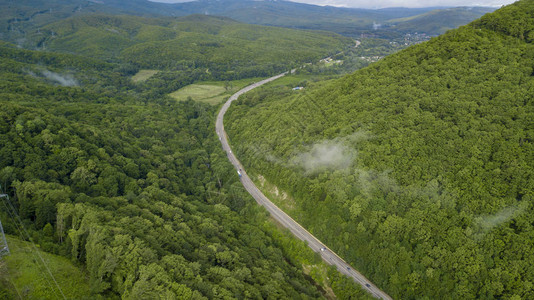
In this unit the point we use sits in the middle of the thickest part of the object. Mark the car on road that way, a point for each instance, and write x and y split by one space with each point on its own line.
323 249
368 285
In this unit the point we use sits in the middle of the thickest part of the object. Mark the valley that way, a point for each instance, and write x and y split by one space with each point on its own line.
390 151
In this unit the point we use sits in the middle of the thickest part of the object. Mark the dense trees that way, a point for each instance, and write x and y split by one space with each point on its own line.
218 47
436 198
135 188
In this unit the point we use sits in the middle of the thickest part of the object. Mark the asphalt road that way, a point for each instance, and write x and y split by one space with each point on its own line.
328 255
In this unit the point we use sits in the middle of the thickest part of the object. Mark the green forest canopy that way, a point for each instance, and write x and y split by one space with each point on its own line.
133 186
418 169
216 44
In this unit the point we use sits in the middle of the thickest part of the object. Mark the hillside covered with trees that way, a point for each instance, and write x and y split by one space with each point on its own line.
134 188
419 169
26 16
438 21
216 44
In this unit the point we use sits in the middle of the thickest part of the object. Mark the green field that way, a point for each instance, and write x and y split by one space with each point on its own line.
23 274
143 75
211 92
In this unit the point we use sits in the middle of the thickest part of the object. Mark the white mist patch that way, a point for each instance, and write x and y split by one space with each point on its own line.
328 155
64 80
487 223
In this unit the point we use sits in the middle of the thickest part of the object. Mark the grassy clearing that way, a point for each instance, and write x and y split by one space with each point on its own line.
212 92
143 75
22 275
215 92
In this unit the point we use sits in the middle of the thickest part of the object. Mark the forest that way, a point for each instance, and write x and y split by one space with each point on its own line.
134 188
221 47
29 15
418 169
147 34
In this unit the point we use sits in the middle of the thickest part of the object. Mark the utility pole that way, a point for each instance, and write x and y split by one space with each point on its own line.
4 249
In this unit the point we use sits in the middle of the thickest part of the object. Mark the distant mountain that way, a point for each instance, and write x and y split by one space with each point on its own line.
438 21
347 21
19 17
298 15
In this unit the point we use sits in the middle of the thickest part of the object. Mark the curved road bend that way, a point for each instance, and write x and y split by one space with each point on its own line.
328 255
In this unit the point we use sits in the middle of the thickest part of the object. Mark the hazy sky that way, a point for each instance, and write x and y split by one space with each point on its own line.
406 3
393 3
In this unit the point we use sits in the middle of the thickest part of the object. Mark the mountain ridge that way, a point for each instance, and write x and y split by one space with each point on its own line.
33 14
224 47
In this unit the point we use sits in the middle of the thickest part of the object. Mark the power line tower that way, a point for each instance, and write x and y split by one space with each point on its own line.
4 249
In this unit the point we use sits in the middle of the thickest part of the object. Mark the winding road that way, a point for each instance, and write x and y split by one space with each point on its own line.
328 255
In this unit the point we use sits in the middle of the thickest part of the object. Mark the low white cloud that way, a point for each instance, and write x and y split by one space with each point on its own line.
327 155
64 80
488 222
336 154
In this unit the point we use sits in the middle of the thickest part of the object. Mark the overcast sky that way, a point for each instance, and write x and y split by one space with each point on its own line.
394 3
406 3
